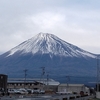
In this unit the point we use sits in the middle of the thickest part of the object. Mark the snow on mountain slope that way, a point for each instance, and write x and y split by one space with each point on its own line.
45 43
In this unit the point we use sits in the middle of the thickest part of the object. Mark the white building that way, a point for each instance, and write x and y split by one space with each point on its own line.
33 83
73 88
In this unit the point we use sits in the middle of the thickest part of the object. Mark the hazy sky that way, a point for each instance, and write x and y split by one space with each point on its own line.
75 21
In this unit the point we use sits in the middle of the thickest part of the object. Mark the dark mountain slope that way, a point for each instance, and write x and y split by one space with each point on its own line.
46 50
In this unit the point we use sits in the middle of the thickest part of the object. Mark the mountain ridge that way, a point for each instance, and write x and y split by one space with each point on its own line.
57 56
46 43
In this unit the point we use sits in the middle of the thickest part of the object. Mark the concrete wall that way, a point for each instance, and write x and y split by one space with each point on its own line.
70 89
73 89
98 95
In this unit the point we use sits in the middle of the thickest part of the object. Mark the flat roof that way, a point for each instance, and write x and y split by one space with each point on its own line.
71 84
31 80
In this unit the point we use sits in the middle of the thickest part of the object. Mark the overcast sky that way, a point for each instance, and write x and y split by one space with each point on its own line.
74 21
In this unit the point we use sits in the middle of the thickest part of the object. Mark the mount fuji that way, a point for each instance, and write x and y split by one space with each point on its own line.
47 50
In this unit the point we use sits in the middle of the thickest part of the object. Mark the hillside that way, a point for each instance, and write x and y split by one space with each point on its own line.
59 58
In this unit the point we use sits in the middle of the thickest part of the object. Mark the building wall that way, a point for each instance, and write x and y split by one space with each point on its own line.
3 82
22 85
70 89
98 95
52 88
75 89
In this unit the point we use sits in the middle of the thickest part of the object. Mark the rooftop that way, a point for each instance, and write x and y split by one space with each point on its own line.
71 85
31 80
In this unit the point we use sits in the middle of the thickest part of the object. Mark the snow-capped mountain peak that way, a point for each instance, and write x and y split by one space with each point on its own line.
45 43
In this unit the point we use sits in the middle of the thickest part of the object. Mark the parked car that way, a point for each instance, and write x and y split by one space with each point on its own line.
13 91
29 91
2 92
38 91
23 91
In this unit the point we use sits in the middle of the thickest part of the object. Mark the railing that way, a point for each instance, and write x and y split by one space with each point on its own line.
57 97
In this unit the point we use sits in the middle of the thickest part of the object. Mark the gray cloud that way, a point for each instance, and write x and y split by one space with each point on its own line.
75 21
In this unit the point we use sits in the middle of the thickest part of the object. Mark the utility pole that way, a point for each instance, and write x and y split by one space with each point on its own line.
98 74
43 73
68 79
47 81
25 74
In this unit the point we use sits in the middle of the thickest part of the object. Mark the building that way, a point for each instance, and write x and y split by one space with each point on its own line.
73 88
30 83
98 91
3 83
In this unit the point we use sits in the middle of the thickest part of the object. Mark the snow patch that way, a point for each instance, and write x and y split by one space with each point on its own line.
46 43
